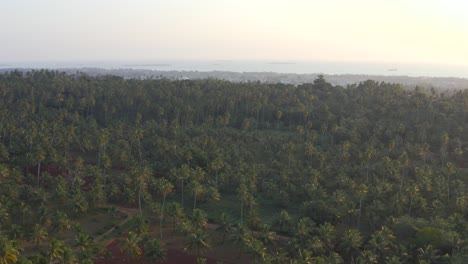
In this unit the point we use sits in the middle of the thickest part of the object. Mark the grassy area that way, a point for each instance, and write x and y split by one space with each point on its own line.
98 221
267 209
95 222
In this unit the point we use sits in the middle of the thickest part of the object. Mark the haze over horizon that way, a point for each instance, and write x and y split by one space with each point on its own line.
422 32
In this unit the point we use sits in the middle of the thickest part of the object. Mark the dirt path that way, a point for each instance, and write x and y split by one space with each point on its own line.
282 238
130 212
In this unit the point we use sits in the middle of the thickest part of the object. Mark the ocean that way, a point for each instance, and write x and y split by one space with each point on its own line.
301 67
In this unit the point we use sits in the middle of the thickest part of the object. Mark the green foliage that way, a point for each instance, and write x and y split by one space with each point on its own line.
364 173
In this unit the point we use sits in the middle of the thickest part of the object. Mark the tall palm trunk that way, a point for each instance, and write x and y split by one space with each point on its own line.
182 193
139 200
162 216
360 211
38 172
242 212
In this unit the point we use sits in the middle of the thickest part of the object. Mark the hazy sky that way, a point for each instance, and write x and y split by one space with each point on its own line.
413 31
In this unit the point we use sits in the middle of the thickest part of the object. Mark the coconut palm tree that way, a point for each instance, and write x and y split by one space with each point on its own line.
225 226
216 165
283 221
240 236
55 250
197 189
266 236
382 242
39 234
351 241
9 252
154 251
129 245
69 257
243 195
303 229
62 222
327 235
428 254
199 240
141 175
199 219
258 249
181 174
367 257
4 215
165 187
83 241
176 211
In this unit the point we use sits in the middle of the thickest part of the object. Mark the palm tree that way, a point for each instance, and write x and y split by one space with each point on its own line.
197 189
350 242
61 190
4 215
309 151
367 257
182 174
216 165
164 187
327 235
258 249
369 155
55 250
281 256
129 245
155 211
303 229
240 236
62 222
334 258
38 235
40 156
279 114
97 194
83 241
283 221
382 242
199 240
243 195
176 211
68 256
304 256
140 225
392 260
141 176
266 236
199 219
79 202
225 226
9 253
154 251
362 191
428 254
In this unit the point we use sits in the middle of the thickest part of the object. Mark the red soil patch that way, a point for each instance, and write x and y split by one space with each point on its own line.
53 171
174 256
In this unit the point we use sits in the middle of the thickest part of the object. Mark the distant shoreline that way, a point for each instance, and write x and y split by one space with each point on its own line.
281 63
270 66
443 83
147 65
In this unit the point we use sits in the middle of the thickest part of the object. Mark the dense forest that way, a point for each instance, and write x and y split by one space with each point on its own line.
313 173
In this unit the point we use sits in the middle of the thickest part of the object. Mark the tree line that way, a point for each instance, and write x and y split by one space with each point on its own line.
367 173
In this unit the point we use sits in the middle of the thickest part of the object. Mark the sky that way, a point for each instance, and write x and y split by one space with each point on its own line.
403 31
